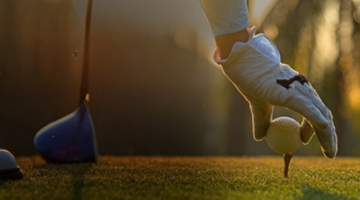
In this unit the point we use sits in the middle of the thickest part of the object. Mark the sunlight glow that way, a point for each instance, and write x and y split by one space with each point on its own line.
271 32
354 97
259 9
184 38
326 51
303 50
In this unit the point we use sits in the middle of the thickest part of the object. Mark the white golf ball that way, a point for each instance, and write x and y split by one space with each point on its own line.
283 135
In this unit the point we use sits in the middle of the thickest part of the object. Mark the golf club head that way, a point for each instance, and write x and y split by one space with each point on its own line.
8 168
70 139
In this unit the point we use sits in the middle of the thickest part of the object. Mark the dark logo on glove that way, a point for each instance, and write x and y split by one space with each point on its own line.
286 83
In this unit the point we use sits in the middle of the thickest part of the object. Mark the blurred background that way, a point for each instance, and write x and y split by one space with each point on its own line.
154 87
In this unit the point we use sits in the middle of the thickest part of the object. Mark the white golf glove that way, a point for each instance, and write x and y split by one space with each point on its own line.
255 70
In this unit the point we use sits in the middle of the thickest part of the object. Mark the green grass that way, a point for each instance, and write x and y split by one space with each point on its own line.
187 178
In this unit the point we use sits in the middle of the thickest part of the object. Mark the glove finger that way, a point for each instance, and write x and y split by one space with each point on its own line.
327 137
307 90
324 128
300 103
306 131
328 140
261 117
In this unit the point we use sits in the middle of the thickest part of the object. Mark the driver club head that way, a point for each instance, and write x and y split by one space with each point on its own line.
70 139
8 168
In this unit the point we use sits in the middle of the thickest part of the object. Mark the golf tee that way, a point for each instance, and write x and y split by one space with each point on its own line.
287 159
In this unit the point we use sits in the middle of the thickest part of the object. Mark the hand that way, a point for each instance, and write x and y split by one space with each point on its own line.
255 69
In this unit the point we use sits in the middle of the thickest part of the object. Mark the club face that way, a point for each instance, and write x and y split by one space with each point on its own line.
70 139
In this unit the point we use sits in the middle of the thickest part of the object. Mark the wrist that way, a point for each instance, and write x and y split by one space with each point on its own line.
224 43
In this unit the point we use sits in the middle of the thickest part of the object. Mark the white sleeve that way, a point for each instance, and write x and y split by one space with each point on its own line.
226 16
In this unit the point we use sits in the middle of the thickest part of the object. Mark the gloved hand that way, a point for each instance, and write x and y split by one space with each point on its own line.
255 70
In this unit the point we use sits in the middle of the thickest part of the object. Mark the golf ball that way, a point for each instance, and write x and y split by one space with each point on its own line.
283 135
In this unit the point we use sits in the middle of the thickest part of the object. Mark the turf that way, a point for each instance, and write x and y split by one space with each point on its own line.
187 178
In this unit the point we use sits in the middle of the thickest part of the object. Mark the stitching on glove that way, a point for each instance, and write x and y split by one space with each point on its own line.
286 83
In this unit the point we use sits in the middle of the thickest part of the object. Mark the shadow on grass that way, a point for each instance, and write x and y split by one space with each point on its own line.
315 194
2 183
77 171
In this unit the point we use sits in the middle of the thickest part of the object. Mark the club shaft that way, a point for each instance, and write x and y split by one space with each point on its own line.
84 85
